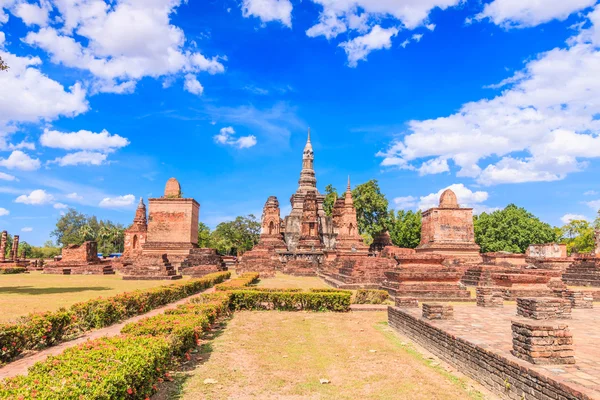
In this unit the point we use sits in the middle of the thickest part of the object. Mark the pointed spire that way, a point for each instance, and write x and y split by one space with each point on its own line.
308 139
141 203
348 188
348 198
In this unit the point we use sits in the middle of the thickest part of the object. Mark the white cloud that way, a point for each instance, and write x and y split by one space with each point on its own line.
3 212
565 219
269 10
60 206
405 202
82 140
36 197
27 229
81 158
192 85
466 197
359 48
120 42
590 193
542 127
7 177
594 204
434 166
74 196
528 13
32 14
118 202
20 160
225 136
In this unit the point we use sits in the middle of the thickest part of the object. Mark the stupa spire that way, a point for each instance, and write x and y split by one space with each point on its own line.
348 198
307 181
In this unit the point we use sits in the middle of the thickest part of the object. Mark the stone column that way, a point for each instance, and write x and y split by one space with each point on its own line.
3 246
15 248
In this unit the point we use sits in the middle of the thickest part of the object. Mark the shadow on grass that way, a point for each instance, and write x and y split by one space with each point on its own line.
51 290
200 355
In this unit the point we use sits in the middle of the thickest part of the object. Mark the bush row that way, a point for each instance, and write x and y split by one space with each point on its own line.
370 296
124 367
12 270
40 330
289 301
246 279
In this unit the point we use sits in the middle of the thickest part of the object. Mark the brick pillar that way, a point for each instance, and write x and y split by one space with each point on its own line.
543 343
544 308
578 299
407 302
15 248
437 311
489 297
3 246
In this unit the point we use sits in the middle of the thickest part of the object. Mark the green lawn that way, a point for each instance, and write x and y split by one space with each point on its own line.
290 282
24 293
283 355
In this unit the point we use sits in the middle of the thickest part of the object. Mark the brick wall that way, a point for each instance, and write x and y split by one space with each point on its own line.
506 378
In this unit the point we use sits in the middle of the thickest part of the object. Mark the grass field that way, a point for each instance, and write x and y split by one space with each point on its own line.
24 293
283 355
291 282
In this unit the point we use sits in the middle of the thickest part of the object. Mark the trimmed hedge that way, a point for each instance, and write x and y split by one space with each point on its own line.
370 296
246 279
289 301
12 270
123 367
39 330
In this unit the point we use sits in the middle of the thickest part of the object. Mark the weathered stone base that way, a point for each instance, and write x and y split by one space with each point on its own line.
489 297
509 379
406 302
151 277
585 271
543 343
147 267
331 281
437 311
61 268
578 299
201 262
300 267
426 284
360 269
543 308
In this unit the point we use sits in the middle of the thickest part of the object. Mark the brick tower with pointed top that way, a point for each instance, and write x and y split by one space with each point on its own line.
135 235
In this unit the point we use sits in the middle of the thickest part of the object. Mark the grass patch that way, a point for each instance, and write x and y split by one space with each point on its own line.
282 281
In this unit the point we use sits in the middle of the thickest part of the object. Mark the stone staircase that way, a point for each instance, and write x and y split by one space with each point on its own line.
583 272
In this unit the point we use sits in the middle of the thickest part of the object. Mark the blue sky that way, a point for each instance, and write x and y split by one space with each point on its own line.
106 100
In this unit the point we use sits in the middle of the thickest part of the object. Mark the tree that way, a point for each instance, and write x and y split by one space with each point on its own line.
3 66
237 236
405 228
512 229
371 208
331 196
578 235
204 237
68 228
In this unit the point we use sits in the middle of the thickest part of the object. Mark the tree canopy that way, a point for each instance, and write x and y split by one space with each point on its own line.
331 196
235 237
371 208
512 229
578 235
405 228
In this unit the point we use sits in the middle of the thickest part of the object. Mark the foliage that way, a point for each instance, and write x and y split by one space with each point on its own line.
405 228
331 196
204 236
246 279
12 270
371 208
237 236
123 367
47 329
3 66
48 250
75 228
578 236
370 296
290 301
512 229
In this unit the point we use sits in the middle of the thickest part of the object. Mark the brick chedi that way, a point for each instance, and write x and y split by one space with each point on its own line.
448 230
135 235
80 260
263 258
13 259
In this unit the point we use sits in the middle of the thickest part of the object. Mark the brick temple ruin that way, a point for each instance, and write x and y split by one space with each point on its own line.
14 259
163 244
80 260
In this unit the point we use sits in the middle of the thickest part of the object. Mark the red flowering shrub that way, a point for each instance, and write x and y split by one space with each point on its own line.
124 367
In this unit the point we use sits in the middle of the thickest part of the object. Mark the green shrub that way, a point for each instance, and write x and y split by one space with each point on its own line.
124 367
289 301
37 331
12 270
246 279
370 296
330 290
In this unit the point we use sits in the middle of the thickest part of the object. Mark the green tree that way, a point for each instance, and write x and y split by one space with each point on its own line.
76 228
578 235
331 196
596 224
24 246
371 208
204 236
68 228
512 229
237 236
405 228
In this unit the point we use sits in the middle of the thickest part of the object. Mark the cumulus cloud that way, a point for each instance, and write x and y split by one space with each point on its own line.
359 48
528 13
20 160
590 193
33 14
60 206
269 10
226 137
118 202
27 229
434 166
74 196
36 197
81 158
7 177
405 202
3 212
594 204
565 219
82 140
466 198
192 85
542 127
120 42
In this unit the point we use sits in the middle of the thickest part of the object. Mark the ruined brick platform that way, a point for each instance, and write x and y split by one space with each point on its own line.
478 341
80 260
584 271
202 262
544 308
543 343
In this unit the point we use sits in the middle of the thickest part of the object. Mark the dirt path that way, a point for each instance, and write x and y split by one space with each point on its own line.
19 367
